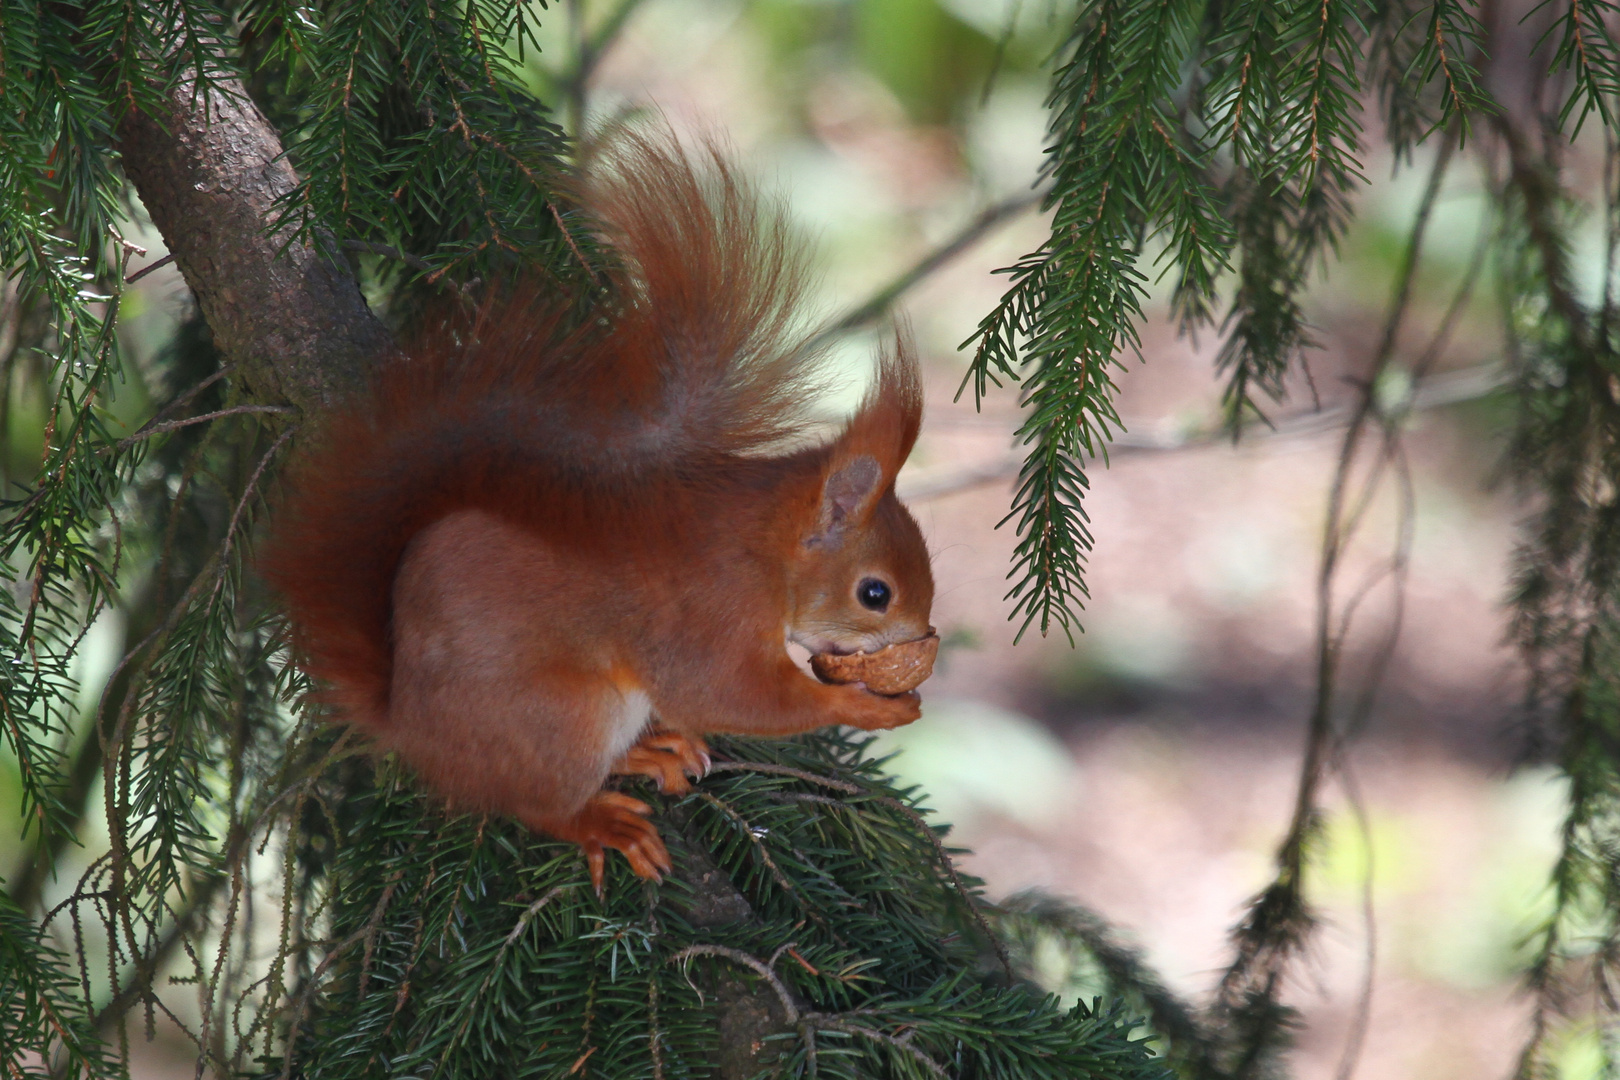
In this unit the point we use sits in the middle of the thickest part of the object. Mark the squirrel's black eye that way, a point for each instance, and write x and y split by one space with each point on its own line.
873 594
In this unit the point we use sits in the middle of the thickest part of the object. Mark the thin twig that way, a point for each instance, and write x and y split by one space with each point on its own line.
786 770
834 1023
956 880
373 925
876 306
202 893
140 981
241 507
911 815
759 967
494 967
309 993
1000 56
759 846
1278 921
415 262
1361 1019
1439 391
143 271
589 54
188 396
152 429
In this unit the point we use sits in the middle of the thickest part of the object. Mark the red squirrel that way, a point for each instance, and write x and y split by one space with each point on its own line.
532 556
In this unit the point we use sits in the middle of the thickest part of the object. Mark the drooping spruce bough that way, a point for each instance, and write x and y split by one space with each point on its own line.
816 914
814 924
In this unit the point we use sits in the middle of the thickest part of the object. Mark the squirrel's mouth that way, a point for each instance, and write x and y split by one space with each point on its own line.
824 642
830 641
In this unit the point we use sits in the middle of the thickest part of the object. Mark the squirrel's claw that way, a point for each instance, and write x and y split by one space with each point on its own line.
612 820
668 757
595 864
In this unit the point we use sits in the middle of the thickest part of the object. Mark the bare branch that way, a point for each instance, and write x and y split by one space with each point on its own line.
173 425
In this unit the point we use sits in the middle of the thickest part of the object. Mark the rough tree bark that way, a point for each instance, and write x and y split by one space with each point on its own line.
298 330
292 322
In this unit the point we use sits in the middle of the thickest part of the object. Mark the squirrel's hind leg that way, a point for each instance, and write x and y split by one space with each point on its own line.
503 698
611 820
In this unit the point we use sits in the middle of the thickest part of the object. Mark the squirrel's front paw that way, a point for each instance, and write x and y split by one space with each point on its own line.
668 757
878 712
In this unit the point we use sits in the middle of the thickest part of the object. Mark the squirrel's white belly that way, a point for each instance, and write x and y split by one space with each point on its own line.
628 722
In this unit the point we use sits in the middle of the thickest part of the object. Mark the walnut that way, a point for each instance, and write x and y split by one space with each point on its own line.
891 670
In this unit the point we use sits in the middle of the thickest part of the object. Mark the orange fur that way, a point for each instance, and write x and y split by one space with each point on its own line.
511 556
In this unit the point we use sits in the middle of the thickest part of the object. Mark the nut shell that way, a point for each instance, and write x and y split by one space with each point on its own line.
891 670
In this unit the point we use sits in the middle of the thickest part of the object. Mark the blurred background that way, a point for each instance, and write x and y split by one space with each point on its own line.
1148 771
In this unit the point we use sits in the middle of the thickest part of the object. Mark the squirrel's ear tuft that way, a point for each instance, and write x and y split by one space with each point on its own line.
886 425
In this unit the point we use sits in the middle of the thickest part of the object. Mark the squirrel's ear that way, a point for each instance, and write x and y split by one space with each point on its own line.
863 461
848 492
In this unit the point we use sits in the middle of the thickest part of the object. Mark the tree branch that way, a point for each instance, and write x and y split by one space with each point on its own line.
878 305
292 321
1438 391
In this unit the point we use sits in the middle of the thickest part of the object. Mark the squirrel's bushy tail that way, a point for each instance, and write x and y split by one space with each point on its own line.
693 356
711 287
